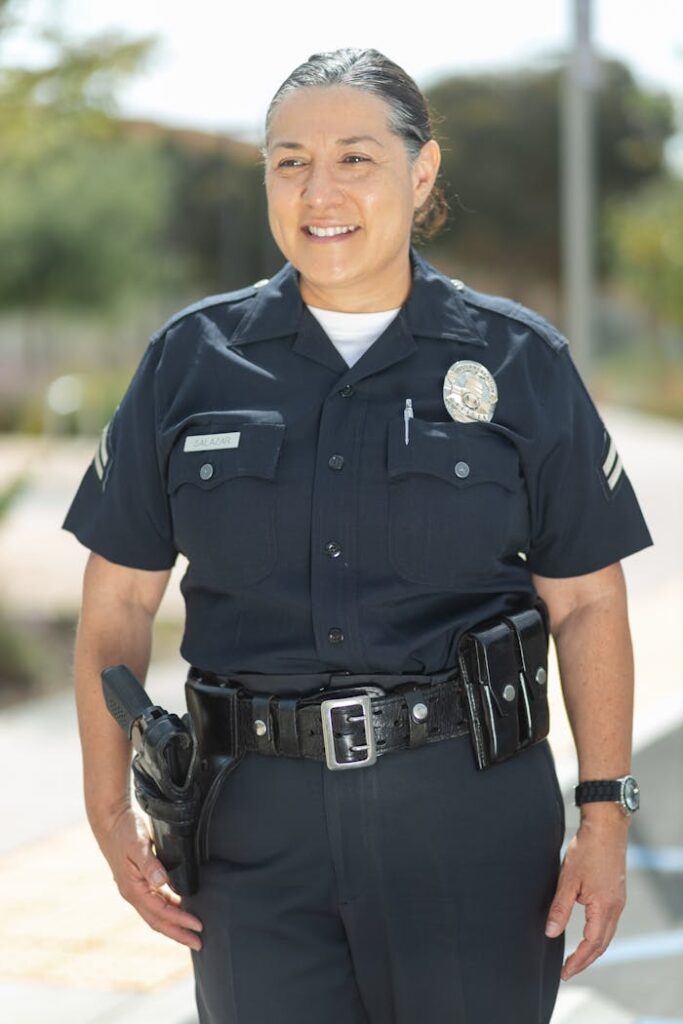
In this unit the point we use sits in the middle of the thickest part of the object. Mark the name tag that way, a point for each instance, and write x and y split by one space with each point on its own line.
206 442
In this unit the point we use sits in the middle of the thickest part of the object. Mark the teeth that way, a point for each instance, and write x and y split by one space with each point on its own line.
324 232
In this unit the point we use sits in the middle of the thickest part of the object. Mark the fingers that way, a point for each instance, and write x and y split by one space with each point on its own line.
561 907
598 932
171 920
152 869
157 903
163 914
143 881
593 874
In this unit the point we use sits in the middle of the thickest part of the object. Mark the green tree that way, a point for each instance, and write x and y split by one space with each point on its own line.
83 229
85 208
70 97
644 234
501 161
220 223
99 207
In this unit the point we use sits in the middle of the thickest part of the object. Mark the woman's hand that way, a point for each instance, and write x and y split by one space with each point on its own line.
589 623
142 880
593 873
115 627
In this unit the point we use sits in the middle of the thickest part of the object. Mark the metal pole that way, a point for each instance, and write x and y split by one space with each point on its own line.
578 187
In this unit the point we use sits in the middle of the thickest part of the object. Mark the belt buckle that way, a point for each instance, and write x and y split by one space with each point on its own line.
363 701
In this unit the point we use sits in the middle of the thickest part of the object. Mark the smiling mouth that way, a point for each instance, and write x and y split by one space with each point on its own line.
323 233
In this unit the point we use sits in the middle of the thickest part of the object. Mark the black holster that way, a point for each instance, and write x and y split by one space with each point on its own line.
174 823
217 749
173 771
504 667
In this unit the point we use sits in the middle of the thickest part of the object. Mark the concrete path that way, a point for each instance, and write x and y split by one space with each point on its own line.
72 950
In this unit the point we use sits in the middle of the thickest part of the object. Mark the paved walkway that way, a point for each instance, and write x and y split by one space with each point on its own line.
70 948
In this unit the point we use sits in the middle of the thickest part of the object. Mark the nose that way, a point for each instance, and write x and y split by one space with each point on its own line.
321 187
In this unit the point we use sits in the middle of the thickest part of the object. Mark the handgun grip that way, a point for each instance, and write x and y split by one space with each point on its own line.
124 696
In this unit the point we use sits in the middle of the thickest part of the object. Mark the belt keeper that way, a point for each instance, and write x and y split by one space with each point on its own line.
419 730
260 712
288 730
233 717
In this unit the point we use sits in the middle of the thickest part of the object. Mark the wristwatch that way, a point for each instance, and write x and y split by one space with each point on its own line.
623 791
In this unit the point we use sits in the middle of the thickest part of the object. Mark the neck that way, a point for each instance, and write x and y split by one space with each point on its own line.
388 289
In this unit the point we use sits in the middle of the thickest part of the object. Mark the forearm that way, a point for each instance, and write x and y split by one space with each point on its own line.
109 632
595 658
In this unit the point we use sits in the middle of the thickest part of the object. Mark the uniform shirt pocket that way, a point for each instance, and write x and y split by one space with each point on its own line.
457 502
222 486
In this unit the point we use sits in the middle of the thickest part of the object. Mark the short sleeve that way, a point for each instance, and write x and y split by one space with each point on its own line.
584 511
121 508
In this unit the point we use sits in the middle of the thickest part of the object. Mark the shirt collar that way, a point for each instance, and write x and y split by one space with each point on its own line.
434 307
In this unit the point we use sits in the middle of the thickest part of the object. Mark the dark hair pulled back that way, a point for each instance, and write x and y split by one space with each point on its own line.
409 114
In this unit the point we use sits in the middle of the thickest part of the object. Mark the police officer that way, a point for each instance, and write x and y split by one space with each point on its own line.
362 459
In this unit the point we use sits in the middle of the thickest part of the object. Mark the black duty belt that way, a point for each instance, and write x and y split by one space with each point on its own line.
497 692
347 726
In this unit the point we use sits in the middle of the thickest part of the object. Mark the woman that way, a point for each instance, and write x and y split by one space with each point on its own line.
347 519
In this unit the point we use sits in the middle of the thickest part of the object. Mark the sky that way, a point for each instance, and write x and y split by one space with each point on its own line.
218 65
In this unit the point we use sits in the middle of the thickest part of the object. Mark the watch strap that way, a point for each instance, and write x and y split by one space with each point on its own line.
597 789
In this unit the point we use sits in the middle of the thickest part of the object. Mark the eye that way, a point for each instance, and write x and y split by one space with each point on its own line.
286 163
355 156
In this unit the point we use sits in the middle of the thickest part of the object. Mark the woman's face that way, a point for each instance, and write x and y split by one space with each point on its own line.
332 162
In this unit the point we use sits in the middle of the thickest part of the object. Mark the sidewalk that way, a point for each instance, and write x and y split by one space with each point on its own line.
67 939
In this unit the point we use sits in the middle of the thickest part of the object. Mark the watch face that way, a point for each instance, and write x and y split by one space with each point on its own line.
631 794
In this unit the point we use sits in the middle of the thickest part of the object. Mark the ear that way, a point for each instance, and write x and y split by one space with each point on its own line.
425 170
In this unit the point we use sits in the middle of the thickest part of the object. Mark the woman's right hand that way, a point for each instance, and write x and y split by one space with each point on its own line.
142 880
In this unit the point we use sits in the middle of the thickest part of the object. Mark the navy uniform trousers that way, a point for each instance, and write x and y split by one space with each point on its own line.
413 891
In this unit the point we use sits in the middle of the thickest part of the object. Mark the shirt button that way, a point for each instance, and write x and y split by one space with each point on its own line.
346 390
462 470
333 549
206 471
335 461
335 635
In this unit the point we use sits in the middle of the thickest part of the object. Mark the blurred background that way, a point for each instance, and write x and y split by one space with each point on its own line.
130 186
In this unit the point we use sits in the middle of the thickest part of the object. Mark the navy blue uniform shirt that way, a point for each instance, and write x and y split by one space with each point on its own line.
317 540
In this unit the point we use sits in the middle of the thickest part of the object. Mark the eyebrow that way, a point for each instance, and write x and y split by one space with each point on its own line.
350 141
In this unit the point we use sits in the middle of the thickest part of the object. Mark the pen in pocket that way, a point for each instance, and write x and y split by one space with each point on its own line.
407 416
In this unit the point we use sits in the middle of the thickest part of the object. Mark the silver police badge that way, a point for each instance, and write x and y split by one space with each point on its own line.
469 392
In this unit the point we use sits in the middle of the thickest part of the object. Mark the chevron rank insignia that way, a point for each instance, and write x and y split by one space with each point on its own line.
101 457
611 468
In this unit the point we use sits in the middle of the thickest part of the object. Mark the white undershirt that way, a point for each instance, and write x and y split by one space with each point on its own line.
352 333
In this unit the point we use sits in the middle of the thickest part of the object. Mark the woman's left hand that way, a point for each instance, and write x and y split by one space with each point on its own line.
593 873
